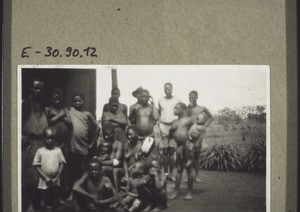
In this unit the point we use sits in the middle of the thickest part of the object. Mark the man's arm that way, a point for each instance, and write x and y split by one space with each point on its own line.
210 117
132 115
96 126
78 186
109 187
155 113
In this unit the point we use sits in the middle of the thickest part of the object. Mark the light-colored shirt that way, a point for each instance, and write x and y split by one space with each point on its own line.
49 160
166 107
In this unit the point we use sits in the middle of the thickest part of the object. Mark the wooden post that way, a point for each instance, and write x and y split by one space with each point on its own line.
114 78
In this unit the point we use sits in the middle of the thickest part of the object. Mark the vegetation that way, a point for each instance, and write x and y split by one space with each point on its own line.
236 141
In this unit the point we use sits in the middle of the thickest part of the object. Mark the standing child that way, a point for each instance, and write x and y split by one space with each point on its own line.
80 143
59 118
49 162
185 149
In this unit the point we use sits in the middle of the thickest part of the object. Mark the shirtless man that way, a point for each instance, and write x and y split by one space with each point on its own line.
144 115
114 166
115 92
115 118
167 146
185 149
195 112
95 192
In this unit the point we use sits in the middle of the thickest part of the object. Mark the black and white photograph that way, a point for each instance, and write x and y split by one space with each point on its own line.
113 138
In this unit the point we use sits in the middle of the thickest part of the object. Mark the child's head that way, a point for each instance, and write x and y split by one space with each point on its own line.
113 104
193 96
108 132
180 108
37 88
168 89
57 97
133 135
115 92
49 137
144 96
78 101
155 165
138 169
94 168
105 147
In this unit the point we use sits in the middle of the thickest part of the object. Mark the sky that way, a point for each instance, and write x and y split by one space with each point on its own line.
218 86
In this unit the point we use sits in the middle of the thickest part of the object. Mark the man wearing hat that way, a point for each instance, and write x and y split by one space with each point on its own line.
143 114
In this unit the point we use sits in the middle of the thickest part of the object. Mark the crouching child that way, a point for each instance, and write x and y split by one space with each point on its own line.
95 192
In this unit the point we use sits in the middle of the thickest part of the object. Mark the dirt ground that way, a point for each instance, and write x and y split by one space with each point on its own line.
219 191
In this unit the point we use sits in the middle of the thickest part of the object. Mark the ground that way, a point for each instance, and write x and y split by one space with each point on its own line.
219 191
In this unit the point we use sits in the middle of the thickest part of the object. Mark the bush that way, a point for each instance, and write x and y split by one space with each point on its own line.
223 157
254 159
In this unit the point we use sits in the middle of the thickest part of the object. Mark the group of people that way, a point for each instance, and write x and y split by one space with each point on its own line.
122 163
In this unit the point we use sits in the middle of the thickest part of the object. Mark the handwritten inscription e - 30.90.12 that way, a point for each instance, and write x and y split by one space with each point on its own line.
54 52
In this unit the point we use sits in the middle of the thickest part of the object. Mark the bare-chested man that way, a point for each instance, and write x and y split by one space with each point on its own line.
196 111
95 192
144 115
185 149
114 166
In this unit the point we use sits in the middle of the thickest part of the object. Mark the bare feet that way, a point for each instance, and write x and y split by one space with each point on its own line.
188 196
174 196
197 180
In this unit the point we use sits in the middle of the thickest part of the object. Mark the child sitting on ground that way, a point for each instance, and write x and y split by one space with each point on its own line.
136 184
105 149
95 192
49 162
158 186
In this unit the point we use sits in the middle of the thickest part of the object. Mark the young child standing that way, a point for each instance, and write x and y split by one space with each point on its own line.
80 143
58 117
185 149
49 163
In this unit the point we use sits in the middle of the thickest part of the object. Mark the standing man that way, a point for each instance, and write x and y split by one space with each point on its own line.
144 115
166 107
196 111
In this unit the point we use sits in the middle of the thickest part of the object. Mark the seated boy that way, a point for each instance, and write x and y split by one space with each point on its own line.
158 184
136 189
95 192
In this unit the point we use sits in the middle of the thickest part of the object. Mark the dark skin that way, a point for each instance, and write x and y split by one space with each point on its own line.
50 144
145 114
57 112
159 183
114 165
78 103
179 131
34 103
94 185
136 181
132 149
119 121
195 111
